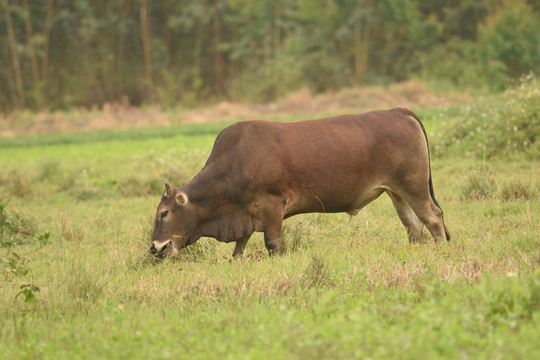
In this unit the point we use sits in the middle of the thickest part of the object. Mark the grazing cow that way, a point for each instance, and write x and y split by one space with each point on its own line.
262 172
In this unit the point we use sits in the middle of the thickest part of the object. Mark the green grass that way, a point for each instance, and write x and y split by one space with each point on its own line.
345 287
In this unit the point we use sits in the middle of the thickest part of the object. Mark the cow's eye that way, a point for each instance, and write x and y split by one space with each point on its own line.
164 213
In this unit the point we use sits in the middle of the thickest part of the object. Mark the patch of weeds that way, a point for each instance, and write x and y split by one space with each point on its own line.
479 185
12 225
294 237
508 124
18 184
146 228
14 231
87 193
143 258
49 171
70 233
317 274
204 248
83 286
83 189
138 185
511 299
519 190
66 182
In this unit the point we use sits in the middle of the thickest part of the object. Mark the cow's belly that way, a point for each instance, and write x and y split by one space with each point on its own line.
331 201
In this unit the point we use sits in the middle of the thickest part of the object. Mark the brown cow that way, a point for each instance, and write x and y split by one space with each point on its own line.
261 172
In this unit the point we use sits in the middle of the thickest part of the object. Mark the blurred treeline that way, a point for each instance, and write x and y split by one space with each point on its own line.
58 54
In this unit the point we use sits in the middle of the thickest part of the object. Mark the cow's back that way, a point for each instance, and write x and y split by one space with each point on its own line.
331 161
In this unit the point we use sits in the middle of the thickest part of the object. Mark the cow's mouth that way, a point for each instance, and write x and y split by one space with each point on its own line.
163 250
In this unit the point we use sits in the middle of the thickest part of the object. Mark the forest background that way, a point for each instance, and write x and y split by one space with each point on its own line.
61 54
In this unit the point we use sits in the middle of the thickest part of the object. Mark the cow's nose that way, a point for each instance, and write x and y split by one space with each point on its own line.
159 248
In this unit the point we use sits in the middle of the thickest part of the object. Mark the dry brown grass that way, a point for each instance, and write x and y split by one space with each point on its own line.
301 103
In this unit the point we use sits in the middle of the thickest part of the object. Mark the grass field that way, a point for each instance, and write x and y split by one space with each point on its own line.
76 281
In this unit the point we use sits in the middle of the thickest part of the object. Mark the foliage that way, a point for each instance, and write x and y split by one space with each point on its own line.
502 49
14 232
500 126
28 291
63 54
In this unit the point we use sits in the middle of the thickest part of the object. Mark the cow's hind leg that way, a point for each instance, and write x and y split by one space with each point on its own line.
430 214
240 246
407 216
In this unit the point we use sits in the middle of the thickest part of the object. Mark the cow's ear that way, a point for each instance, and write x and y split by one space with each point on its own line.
169 191
181 199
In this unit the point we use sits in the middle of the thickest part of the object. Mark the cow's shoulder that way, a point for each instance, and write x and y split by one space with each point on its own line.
241 136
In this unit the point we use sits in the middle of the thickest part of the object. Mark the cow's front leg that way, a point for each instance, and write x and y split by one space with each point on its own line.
240 246
272 233
272 240
272 211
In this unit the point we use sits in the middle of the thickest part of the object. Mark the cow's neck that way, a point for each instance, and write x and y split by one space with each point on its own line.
224 217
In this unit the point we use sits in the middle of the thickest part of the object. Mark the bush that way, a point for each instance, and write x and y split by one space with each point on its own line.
506 48
505 125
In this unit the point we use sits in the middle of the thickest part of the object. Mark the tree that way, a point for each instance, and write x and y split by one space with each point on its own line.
14 55
145 37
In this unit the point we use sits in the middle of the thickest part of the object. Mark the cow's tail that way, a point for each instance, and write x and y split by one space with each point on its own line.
413 115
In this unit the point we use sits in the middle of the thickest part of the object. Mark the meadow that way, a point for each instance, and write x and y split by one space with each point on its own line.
76 281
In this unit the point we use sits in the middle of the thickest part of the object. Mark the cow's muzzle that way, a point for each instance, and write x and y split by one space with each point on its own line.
163 248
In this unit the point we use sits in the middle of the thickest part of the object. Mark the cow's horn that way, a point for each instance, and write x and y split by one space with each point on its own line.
181 199
168 190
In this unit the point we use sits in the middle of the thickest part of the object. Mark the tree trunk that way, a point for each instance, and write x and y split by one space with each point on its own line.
100 92
198 48
121 42
45 63
167 30
361 51
28 26
218 56
277 26
145 36
14 55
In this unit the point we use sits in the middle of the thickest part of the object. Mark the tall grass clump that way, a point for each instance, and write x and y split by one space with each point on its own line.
519 190
479 184
508 124
317 273
17 183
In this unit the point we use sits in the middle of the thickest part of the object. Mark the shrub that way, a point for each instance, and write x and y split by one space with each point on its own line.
508 124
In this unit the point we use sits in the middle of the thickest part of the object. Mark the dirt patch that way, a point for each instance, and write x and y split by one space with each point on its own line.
299 104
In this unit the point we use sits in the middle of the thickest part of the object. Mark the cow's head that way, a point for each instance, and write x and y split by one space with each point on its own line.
176 221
